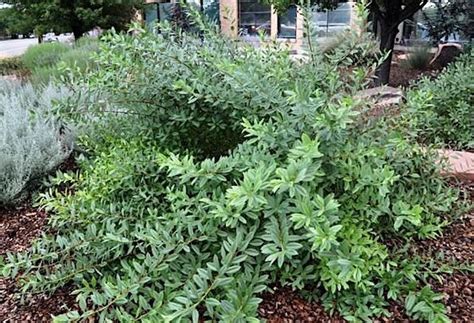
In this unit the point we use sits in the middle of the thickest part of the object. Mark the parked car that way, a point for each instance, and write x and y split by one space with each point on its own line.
50 37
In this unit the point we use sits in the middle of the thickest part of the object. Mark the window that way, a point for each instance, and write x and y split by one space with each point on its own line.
254 18
287 23
157 12
331 22
211 10
151 14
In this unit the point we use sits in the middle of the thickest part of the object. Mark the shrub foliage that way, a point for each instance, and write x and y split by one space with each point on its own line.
440 111
220 169
52 61
419 58
11 65
44 55
30 143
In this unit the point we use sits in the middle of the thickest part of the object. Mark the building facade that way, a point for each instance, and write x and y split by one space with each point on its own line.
248 19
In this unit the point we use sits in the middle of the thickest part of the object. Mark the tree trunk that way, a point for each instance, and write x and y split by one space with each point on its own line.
387 42
77 31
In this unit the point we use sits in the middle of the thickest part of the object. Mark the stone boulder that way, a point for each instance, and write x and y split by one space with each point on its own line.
460 164
445 54
382 95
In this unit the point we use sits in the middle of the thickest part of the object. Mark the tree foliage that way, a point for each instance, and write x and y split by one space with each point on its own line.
12 24
76 16
445 19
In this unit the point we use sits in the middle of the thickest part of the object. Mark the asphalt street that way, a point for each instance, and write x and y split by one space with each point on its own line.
15 47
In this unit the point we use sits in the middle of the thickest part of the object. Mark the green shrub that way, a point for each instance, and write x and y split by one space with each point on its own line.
54 61
30 142
78 59
12 65
44 75
88 44
225 169
418 59
44 55
440 110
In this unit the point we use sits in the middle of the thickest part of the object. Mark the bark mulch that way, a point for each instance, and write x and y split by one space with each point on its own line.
18 228
39 308
402 76
285 305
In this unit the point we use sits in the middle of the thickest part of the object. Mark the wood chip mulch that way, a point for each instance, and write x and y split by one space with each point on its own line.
19 226
401 76
39 308
285 305
457 246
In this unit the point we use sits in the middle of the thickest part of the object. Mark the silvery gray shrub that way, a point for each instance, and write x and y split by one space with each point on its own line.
32 142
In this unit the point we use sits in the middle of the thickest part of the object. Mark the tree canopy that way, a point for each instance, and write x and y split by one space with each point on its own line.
78 16
13 24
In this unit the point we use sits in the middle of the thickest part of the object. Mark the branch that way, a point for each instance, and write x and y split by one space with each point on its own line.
409 10
406 13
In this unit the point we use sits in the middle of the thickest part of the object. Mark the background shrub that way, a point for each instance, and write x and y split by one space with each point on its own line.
419 58
440 111
53 61
30 141
44 55
11 65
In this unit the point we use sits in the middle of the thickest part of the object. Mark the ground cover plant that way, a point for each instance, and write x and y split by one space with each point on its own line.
440 111
30 141
11 65
217 169
419 58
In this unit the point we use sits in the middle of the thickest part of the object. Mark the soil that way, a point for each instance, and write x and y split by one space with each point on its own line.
401 76
19 227
285 305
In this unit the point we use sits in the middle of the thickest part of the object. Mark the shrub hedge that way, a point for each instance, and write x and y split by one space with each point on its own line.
44 55
11 65
440 111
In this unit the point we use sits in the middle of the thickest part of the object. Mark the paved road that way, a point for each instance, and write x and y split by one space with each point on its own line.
15 47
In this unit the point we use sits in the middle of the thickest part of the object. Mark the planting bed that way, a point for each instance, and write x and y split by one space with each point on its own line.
19 226
403 76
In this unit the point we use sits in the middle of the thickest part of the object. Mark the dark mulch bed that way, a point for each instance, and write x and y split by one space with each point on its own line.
39 308
19 226
285 305
401 76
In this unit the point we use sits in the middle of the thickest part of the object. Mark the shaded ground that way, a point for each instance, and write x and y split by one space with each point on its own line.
401 76
18 227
